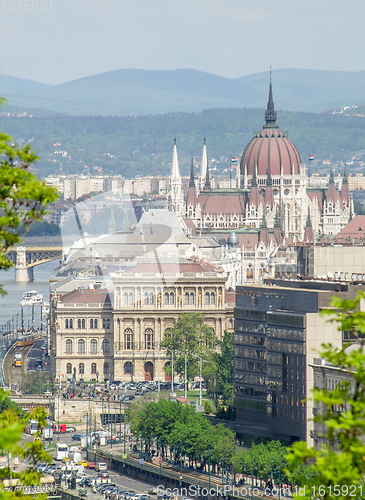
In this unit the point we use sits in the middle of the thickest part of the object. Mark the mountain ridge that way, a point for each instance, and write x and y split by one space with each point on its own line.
131 91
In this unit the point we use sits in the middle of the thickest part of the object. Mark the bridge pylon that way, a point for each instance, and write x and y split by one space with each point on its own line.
23 273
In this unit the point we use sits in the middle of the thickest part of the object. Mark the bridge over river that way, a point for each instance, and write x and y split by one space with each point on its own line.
33 252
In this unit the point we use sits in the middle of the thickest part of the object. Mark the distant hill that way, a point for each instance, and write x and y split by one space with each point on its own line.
142 145
129 92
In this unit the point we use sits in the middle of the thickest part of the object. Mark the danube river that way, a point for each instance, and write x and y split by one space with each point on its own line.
10 303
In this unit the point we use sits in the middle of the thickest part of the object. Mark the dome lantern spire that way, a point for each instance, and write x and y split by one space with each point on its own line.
270 115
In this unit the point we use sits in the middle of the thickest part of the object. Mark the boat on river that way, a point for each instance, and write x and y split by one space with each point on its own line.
33 297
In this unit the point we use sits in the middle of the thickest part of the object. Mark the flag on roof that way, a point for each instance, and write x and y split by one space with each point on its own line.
311 157
234 159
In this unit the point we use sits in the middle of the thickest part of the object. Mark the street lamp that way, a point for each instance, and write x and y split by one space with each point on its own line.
186 373
200 385
172 370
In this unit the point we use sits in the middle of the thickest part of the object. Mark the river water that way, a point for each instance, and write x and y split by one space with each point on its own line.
10 304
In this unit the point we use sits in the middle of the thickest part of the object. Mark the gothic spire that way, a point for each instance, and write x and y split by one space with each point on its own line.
270 115
309 221
254 178
207 179
111 226
175 172
344 178
192 177
331 179
277 218
204 165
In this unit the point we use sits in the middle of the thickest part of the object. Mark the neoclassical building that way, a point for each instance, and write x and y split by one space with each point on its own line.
115 334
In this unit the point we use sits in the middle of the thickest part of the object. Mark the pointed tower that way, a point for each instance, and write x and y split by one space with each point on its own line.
308 233
270 115
269 194
192 199
204 167
345 191
331 191
125 223
207 178
264 233
277 227
111 226
254 193
176 194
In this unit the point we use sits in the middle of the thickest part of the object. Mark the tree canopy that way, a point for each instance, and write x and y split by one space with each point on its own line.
338 466
190 336
23 197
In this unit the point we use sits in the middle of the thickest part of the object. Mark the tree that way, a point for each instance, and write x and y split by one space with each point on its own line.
12 425
23 197
338 467
219 371
190 335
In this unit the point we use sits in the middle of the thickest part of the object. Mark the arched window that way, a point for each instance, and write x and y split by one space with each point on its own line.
106 368
93 368
152 298
128 339
94 346
172 298
69 346
66 324
125 299
130 297
212 298
187 298
192 298
91 323
146 299
166 298
81 346
249 272
262 269
128 368
81 368
148 339
83 323
105 345
69 368
207 298
79 323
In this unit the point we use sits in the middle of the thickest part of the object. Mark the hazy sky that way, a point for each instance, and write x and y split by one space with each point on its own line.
61 40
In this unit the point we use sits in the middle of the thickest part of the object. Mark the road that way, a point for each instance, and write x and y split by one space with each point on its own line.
37 352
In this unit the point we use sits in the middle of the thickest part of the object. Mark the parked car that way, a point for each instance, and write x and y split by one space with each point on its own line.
90 465
70 428
103 474
84 463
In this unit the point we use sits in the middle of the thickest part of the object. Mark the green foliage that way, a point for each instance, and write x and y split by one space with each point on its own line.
269 460
218 374
143 144
33 381
190 335
12 425
340 462
208 407
23 197
180 427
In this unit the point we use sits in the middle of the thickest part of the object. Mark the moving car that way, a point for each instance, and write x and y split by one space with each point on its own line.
76 437
90 465
100 466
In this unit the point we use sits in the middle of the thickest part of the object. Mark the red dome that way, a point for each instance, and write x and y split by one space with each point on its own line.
270 148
